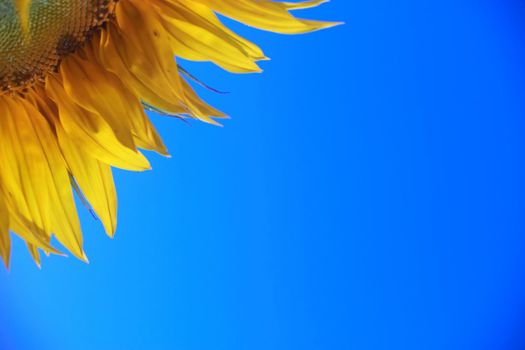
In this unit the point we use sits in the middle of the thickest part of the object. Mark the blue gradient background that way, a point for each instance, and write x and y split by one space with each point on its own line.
369 193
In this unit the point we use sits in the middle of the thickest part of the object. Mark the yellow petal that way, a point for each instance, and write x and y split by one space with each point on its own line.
268 15
5 238
35 174
94 178
93 133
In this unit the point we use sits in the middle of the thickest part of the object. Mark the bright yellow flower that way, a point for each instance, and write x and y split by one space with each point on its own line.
74 78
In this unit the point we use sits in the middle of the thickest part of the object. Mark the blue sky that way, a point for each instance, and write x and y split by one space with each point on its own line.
368 193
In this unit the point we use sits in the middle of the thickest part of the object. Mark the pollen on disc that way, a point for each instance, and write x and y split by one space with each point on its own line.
56 28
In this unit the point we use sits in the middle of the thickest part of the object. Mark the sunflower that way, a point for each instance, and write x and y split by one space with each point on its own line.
75 79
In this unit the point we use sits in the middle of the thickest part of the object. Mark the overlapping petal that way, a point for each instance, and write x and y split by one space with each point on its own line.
64 135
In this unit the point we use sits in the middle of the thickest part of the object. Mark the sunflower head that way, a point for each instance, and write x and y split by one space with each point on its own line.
36 35
75 76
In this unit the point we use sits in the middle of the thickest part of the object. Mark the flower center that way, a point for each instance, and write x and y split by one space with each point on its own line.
56 29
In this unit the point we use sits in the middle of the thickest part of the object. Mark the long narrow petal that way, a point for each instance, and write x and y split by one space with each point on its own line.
94 178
